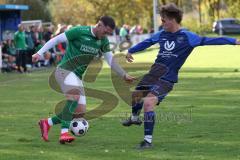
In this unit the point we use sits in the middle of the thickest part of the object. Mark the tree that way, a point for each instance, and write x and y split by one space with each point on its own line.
233 9
2 1
87 12
125 11
71 12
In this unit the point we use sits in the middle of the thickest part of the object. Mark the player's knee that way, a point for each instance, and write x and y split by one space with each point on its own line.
73 97
73 94
76 97
148 105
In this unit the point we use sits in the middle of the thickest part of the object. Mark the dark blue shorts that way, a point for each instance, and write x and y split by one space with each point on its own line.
152 82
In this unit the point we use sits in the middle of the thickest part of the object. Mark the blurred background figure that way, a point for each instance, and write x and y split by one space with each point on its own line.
61 47
30 47
21 49
8 56
123 33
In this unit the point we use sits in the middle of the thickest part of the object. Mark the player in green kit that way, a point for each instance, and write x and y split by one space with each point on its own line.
84 43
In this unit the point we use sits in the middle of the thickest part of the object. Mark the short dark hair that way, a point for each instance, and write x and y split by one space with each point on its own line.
108 21
171 11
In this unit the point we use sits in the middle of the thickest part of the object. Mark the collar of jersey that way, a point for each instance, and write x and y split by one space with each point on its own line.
92 31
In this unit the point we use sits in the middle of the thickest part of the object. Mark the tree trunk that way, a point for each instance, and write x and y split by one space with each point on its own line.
200 12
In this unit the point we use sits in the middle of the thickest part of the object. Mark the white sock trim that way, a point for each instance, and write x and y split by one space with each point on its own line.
134 118
50 122
64 130
148 138
82 100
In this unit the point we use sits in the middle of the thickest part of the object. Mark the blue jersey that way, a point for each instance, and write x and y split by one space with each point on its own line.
176 47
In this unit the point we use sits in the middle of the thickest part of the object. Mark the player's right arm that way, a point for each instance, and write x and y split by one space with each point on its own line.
108 56
143 45
50 44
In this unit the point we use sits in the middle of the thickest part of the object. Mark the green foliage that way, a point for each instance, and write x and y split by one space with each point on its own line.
194 26
72 12
215 9
87 12
233 9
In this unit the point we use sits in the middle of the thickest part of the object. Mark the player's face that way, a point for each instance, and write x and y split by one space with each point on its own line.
168 24
102 30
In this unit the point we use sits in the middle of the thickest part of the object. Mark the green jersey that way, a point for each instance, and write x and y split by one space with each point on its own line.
82 47
20 40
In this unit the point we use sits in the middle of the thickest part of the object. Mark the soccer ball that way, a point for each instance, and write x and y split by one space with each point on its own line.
79 126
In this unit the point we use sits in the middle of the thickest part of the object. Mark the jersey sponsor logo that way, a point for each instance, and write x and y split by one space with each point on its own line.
166 54
169 45
167 51
89 49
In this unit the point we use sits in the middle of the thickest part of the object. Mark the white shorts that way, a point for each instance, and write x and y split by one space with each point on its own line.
68 81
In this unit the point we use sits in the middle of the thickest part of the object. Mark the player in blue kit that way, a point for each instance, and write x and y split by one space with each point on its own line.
176 44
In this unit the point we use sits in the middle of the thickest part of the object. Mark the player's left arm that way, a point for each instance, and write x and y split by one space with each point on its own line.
108 56
196 40
219 41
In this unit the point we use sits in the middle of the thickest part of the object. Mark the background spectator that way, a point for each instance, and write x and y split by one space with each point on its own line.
8 55
30 46
21 47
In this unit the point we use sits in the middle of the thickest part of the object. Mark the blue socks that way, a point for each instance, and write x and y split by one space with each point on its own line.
136 109
149 121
